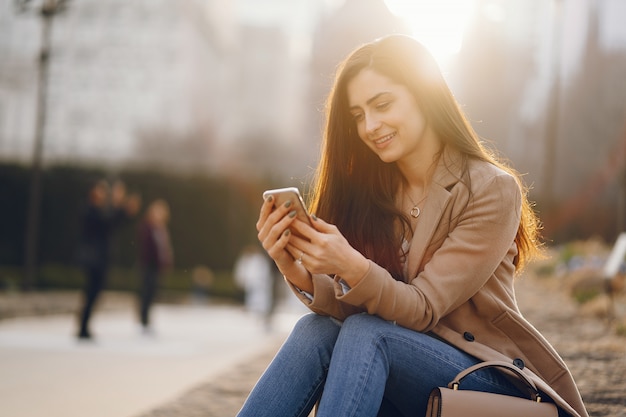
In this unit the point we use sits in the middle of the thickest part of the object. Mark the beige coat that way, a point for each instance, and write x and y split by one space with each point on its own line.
461 264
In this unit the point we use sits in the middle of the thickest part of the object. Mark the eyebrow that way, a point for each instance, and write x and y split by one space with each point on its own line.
382 93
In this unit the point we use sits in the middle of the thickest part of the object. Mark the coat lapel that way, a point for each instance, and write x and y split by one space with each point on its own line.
426 225
447 173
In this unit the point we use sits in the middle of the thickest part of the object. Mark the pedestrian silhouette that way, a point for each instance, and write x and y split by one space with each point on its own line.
253 271
107 208
155 256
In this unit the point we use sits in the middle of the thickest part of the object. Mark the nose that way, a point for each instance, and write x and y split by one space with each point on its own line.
372 124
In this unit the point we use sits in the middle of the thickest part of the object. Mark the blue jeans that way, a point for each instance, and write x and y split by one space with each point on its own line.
365 366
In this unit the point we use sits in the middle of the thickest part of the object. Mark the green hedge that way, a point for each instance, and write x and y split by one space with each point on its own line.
212 219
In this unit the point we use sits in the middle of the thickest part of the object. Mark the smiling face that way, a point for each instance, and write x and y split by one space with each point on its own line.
388 118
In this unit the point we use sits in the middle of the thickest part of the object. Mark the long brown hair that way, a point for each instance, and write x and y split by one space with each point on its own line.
356 191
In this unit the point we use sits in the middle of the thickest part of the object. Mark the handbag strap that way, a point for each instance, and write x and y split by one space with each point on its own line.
532 388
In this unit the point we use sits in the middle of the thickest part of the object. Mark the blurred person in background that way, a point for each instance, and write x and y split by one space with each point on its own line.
253 271
108 207
155 256
202 278
409 263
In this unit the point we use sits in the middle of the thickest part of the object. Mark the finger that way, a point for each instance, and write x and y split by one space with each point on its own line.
299 244
293 250
322 226
270 215
277 249
303 229
266 209
276 229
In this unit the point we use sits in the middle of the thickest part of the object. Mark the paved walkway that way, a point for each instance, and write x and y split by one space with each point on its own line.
45 371
204 361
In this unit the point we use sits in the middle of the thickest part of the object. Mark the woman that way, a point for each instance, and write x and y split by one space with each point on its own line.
155 256
410 274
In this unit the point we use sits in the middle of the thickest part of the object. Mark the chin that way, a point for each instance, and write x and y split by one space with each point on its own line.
387 158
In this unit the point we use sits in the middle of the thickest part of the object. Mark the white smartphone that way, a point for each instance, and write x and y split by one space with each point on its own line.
282 195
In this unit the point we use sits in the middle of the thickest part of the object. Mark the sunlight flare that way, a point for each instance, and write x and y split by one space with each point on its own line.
438 24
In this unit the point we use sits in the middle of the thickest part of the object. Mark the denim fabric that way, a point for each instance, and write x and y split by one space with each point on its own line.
363 367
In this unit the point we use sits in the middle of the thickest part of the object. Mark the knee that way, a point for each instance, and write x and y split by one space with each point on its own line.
313 333
365 328
360 322
314 329
316 326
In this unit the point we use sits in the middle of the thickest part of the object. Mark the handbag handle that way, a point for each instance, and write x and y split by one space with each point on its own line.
532 388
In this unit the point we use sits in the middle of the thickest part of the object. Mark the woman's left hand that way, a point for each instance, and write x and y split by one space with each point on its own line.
327 251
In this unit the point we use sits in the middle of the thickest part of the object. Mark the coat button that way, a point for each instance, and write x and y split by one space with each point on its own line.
519 363
468 336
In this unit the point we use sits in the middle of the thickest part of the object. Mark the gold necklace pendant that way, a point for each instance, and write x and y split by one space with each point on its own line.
415 211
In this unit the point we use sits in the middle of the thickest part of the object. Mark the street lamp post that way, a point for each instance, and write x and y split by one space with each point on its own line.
47 10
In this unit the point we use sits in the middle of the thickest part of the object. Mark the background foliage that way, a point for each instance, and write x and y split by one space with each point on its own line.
212 219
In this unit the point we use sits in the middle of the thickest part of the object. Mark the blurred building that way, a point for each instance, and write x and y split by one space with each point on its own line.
174 83
543 81
116 68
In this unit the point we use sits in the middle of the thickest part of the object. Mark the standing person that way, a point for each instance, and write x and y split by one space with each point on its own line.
410 276
107 208
254 273
155 255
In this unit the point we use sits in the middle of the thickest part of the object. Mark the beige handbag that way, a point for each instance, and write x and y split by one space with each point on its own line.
454 402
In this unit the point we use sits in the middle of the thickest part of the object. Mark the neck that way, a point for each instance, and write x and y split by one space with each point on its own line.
418 174
419 168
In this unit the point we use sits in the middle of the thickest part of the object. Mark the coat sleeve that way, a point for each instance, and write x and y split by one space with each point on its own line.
466 259
325 298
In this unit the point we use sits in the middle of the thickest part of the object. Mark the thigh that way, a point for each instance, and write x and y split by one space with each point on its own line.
417 363
420 362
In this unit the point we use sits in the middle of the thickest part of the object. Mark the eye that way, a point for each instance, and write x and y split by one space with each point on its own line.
357 116
383 105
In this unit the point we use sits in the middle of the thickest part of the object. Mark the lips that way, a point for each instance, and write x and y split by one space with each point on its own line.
384 140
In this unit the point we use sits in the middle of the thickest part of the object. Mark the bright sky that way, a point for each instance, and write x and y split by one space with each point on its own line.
438 24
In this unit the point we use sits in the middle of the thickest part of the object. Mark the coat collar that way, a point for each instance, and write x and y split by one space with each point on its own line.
449 168
447 173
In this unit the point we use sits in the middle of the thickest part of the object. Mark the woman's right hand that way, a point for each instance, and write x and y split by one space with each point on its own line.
274 233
